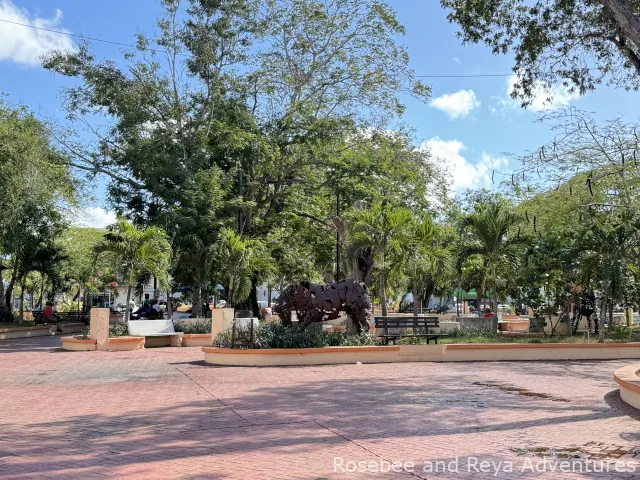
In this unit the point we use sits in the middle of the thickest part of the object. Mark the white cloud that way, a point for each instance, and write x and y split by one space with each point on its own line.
457 60
94 217
544 97
464 174
457 105
26 45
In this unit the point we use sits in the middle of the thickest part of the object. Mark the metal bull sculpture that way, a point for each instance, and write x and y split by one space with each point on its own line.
316 303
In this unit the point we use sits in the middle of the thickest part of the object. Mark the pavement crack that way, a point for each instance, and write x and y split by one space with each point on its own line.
211 394
362 447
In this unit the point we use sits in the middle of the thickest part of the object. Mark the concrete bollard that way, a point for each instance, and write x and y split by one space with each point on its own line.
99 326
221 320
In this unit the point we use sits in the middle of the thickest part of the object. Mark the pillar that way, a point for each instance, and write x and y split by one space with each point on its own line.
221 320
99 327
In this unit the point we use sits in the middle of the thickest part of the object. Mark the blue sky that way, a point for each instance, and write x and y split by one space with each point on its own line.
470 124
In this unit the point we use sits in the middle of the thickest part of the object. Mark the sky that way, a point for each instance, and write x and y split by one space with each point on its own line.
470 123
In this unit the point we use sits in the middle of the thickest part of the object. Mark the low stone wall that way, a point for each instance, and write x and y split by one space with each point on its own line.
78 344
26 332
421 353
113 344
196 340
485 324
629 381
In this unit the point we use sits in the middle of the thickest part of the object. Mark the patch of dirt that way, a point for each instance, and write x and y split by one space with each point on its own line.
591 450
521 391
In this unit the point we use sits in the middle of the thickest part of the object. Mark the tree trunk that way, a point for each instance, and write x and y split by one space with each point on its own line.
603 313
269 296
197 299
415 298
41 292
127 310
495 291
625 18
9 292
383 295
169 304
22 287
480 311
2 299
254 298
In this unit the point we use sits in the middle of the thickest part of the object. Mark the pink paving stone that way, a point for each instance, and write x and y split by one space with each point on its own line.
164 413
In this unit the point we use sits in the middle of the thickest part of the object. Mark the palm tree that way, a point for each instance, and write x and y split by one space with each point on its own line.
383 229
137 252
234 261
427 260
489 226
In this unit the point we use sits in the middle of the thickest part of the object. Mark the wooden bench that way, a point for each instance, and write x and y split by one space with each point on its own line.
73 316
157 333
426 323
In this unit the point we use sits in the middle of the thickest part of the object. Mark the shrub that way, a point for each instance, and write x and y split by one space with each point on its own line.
619 332
291 336
199 326
118 329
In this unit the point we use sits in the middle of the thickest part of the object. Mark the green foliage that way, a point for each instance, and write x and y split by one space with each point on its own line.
619 332
291 336
35 183
118 329
575 42
199 326
136 252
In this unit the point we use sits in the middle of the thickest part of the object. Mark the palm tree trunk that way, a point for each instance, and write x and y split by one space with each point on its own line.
127 310
414 292
495 291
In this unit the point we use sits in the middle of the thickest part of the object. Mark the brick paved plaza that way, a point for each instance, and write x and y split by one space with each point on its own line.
163 413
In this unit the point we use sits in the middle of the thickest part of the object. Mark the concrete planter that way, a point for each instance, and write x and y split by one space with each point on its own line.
26 332
118 344
196 340
629 381
78 344
485 324
421 353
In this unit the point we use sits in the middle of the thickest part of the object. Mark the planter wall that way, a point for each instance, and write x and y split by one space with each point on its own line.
118 344
485 324
78 344
421 353
25 332
629 381
196 340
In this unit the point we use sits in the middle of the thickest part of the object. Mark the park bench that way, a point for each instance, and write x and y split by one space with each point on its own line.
415 323
70 317
157 333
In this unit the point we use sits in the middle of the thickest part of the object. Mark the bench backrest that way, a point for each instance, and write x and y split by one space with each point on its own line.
407 322
150 327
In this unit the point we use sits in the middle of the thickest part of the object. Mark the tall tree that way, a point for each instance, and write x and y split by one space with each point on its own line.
35 185
258 95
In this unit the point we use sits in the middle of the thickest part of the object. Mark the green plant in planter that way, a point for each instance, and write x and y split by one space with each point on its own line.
199 326
118 329
291 336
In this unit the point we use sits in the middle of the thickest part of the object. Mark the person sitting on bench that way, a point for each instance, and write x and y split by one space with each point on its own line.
49 314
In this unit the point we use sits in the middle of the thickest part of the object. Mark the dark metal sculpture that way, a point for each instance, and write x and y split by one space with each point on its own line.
316 303
584 307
